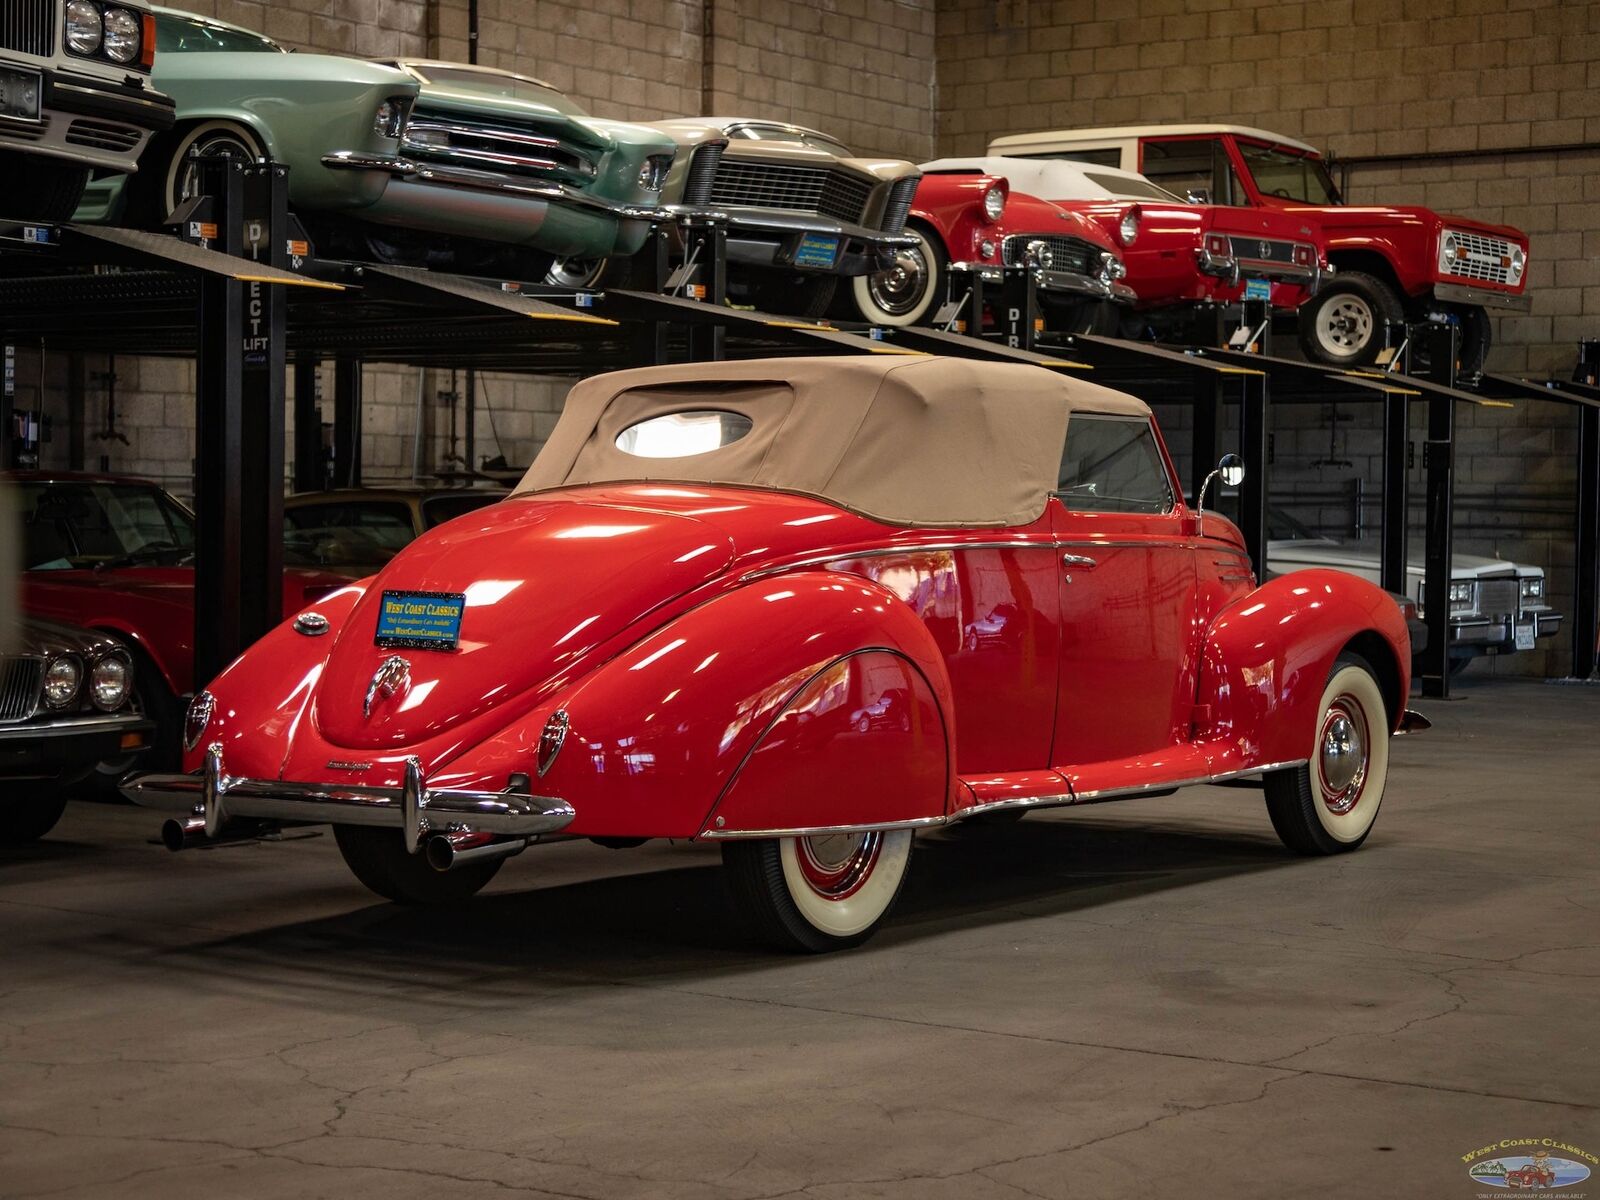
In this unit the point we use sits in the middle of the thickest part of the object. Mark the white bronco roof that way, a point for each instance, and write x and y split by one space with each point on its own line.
1022 143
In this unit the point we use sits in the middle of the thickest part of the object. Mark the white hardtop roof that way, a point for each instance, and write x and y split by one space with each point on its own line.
1048 139
1053 178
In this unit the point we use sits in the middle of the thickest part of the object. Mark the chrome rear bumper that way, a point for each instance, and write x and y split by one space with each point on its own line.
414 808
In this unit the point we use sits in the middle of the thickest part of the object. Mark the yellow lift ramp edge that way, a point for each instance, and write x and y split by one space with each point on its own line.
179 253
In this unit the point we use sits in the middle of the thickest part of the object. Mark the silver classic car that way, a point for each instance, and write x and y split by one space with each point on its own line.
802 210
1496 607
75 97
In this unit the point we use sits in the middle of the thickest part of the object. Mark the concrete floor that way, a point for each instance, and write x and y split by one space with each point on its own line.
1145 999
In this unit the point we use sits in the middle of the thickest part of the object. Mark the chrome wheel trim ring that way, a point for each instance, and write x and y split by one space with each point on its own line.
1345 326
899 289
222 140
1343 754
575 272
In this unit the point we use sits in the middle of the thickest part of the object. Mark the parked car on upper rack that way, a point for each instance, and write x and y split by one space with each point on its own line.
75 98
65 712
1393 262
802 210
354 531
1177 255
115 554
976 220
1496 607
802 608
407 161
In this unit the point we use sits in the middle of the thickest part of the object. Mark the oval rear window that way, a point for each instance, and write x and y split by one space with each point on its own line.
681 434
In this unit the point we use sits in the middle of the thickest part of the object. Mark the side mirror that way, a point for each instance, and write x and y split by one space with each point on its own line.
1230 468
1198 196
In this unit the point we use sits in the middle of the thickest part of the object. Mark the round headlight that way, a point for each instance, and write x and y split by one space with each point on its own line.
61 680
108 683
1038 254
1128 227
383 120
83 27
994 203
1449 250
122 35
1519 260
198 717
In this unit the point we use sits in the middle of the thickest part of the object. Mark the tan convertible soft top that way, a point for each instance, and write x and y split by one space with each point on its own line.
906 440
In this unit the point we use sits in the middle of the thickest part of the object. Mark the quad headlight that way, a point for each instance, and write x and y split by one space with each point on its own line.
654 172
1531 589
108 31
390 119
109 681
62 675
1461 594
85 28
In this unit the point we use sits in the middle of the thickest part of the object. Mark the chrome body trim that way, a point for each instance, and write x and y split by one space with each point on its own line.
723 835
414 808
488 133
818 560
59 727
1457 293
1223 777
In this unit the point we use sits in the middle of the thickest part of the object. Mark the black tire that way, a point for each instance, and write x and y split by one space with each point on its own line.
910 292
590 273
41 189
1342 325
1312 815
764 878
378 858
28 811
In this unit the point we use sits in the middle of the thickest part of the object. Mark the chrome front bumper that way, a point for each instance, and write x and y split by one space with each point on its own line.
1230 269
486 181
1499 632
1457 293
414 808
770 237
1058 283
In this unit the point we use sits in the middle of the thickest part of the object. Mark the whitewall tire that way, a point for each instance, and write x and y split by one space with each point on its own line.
218 137
908 292
818 893
1329 805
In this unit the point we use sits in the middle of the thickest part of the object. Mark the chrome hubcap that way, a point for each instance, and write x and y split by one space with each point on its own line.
575 272
1345 326
1342 757
900 288
836 865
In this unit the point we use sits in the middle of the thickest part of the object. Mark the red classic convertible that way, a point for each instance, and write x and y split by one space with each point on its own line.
802 608
1177 254
111 553
976 219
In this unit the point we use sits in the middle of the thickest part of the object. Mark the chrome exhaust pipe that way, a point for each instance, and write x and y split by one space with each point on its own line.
447 851
188 833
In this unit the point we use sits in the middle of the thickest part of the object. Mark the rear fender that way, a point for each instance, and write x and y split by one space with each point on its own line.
657 735
1268 655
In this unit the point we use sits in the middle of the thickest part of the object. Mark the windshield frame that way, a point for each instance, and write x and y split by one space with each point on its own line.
1250 152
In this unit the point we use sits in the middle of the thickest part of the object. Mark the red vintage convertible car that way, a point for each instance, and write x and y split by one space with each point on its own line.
1177 254
976 219
741 603
111 553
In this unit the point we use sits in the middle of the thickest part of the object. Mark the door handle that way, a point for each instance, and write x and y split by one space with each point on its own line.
1076 560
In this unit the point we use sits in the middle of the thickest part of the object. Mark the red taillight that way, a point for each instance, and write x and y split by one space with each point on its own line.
147 54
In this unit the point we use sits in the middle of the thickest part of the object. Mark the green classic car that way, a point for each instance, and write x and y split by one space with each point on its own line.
396 160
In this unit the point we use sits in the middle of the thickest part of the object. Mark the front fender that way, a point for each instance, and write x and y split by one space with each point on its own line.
1268 655
659 733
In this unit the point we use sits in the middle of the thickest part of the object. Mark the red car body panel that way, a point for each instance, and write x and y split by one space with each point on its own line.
800 666
1406 237
952 207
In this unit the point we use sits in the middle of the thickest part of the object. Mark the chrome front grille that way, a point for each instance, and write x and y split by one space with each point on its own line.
1497 597
20 680
1066 253
1487 258
103 135
484 145
842 195
1262 249
29 26
899 206
702 174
